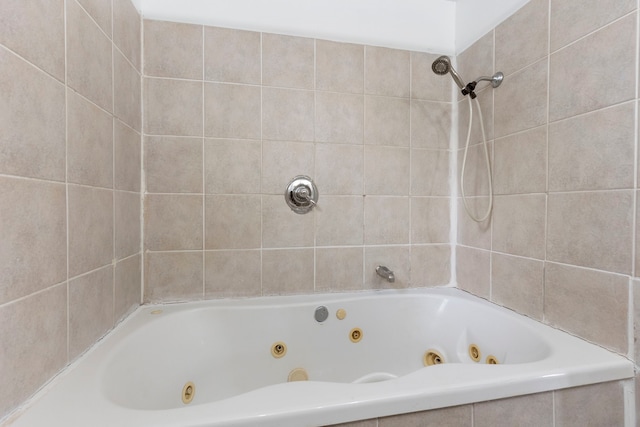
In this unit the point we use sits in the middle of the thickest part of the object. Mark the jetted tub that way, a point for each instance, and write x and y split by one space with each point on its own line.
229 362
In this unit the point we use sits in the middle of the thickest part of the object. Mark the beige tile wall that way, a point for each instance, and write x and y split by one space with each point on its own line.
70 168
232 116
594 405
560 244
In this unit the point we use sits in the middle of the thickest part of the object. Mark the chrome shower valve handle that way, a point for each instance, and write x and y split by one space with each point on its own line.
301 194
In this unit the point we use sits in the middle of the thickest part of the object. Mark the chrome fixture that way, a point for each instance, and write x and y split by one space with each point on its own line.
442 65
321 314
385 273
495 80
301 194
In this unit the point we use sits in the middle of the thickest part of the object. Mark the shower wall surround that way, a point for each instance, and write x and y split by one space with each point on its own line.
70 121
560 244
232 116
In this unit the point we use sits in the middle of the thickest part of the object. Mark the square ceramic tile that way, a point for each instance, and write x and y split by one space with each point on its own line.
430 265
173 107
339 169
386 220
430 219
591 229
173 164
32 113
339 269
534 410
173 222
172 49
594 151
512 175
34 229
35 32
429 172
339 67
288 114
431 124
287 272
283 228
339 118
515 113
287 61
518 283
519 225
386 171
282 161
614 44
598 404
340 221
233 222
232 55
523 38
232 166
173 276
233 274
588 303
387 71
387 121
572 19
232 111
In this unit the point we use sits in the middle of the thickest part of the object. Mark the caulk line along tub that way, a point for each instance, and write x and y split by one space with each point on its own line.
313 360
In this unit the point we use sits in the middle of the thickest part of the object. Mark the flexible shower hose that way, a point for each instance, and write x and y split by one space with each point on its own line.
464 163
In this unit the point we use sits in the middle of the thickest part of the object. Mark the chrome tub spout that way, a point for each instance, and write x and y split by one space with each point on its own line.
385 273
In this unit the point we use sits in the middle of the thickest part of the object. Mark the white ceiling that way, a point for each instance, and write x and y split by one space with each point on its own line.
437 26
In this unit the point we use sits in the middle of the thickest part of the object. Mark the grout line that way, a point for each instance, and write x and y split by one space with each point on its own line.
204 174
261 165
113 174
66 174
143 178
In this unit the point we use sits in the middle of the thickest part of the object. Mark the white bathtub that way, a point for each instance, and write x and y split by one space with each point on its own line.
136 375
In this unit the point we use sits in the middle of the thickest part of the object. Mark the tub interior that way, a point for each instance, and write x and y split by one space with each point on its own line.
227 351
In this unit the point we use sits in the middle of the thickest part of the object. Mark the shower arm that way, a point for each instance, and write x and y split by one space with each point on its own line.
495 80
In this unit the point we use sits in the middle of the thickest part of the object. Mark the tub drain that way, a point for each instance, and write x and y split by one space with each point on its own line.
492 360
188 392
432 357
355 335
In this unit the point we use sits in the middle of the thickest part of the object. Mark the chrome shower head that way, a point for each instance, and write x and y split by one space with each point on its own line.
442 66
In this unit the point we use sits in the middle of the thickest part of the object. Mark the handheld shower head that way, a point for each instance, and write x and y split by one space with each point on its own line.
442 66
